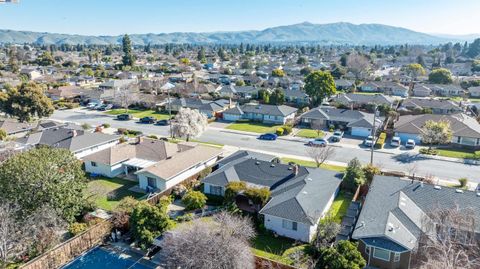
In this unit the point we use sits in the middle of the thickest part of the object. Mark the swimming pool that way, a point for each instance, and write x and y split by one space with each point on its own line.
99 258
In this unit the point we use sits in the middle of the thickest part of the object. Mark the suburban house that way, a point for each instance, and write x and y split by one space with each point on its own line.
344 84
16 128
465 129
235 92
65 92
355 100
156 165
437 106
300 196
396 89
394 214
207 107
421 90
474 91
269 114
296 97
447 90
355 122
116 84
73 138
370 87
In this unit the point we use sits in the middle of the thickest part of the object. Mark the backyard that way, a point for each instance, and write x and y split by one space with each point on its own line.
254 127
107 192
139 113
340 206
275 248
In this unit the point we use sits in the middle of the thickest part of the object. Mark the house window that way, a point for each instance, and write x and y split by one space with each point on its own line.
94 164
381 254
396 258
215 190
151 182
367 250
478 141
290 225
459 139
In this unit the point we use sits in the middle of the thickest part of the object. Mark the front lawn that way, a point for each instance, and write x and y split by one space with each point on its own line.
337 168
457 153
309 133
138 113
340 205
254 127
107 192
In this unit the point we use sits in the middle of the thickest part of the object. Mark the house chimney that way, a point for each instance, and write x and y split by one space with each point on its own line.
139 139
74 133
295 169
230 102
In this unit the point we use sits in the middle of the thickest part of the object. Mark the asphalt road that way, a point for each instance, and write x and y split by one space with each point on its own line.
406 162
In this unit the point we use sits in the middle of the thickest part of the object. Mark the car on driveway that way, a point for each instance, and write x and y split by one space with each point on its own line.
268 136
337 136
124 117
396 141
410 144
147 120
319 142
368 141
162 122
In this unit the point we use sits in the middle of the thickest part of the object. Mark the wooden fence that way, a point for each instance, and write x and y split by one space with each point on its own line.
72 248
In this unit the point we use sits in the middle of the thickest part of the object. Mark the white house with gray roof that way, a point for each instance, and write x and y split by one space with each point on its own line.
393 215
270 114
300 196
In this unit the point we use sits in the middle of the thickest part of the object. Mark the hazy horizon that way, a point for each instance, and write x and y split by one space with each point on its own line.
109 17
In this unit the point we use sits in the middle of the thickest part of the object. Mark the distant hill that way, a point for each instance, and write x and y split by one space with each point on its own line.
326 34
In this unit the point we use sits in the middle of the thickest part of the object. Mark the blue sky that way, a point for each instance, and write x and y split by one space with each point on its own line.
113 17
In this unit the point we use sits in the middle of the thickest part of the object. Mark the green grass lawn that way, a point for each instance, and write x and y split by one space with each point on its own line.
137 113
308 133
337 168
268 246
107 192
340 205
254 127
456 153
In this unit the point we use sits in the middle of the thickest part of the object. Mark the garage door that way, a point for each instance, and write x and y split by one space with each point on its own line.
362 132
404 137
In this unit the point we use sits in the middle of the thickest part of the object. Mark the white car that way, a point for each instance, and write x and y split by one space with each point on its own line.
396 141
368 141
410 144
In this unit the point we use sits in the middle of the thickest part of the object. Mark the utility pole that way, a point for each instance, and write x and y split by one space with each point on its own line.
373 134
169 112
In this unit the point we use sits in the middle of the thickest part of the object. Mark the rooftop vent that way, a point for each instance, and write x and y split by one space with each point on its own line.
437 187
257 162
272 165
304 192
309 179
478 194
459 191
290 168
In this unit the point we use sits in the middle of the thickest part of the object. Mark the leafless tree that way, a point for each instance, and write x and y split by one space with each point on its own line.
11 232
449 239
189 123
222 243
358 65
317 126
320 154
126 96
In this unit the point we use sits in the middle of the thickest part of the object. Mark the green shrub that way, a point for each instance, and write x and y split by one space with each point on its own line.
463 182
122 131
258 195
86 126
279 131
153 136
287 129
234 188
185 218
215 200
106 125
428 151
3 134
77 228
204 173
194 200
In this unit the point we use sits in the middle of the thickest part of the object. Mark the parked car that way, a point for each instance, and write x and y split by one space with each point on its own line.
396 141
147 120
268 136
98 107
410 144
124 117
318 142
91 105
368 141
105 107
337 136
162 122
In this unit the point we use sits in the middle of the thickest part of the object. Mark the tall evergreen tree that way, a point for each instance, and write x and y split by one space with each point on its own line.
128 57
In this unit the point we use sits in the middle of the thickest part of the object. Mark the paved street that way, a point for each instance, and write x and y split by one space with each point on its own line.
405 161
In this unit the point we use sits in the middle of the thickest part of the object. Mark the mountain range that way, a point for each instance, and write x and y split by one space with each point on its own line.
324 34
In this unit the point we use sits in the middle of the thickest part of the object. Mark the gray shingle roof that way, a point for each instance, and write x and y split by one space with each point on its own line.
430 103
394 207
362 99
272 110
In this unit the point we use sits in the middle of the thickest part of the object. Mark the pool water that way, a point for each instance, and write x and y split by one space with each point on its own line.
99 258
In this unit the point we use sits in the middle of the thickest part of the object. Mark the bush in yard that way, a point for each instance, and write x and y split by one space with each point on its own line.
428 151
234 188
259 196
279 131
122 131
153 136
204 173
77 228
354 175
287 129
3 134
344 255
370 171
86 126
463 182
106 125
194 200
147 222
